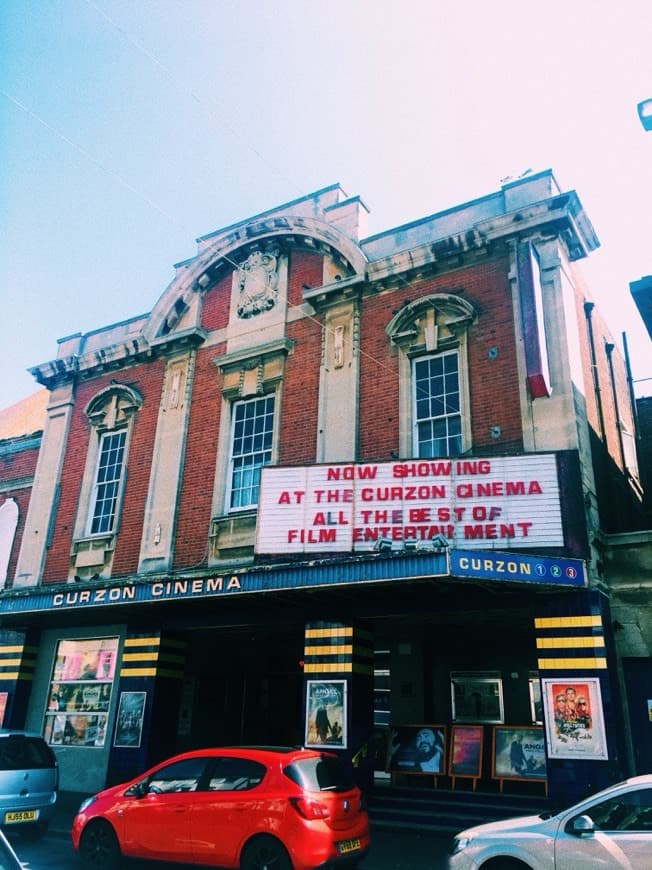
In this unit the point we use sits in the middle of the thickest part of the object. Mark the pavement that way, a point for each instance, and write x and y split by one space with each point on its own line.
65 810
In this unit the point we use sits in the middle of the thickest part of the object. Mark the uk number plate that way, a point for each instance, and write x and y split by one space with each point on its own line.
346 846
21 816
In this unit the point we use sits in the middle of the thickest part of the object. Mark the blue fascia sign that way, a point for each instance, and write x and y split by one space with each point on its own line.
518 567
361 571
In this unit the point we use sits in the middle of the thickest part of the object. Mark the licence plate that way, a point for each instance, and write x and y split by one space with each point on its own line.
21 816
346 846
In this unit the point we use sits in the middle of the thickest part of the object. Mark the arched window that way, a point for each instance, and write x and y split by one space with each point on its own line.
110 413
431 335
8 525
111 416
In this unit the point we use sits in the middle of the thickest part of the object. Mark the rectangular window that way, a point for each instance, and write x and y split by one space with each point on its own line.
629 451
110 469
477 696
80 692
437 406
251 448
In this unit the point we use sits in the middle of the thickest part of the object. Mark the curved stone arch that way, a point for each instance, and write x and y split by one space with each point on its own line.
433 324
113 406
193 276
448 309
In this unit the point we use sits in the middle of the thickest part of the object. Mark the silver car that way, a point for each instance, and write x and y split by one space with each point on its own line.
610 830
29 781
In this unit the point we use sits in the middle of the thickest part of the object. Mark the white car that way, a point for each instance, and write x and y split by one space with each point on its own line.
610 830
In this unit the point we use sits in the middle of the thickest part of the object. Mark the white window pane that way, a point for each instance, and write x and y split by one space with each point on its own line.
437 406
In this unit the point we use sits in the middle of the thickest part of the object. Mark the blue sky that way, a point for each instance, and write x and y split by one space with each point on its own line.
128 128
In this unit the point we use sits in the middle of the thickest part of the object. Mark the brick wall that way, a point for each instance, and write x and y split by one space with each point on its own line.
147 380
200 459
304 268
300 398
493 384
13 467
215 304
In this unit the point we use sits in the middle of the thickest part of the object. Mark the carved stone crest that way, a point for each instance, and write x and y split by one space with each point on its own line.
257 283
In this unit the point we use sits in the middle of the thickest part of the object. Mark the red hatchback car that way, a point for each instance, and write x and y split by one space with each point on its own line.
247 807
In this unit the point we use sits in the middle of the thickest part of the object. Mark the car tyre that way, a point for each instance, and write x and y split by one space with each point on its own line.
98 847
265 853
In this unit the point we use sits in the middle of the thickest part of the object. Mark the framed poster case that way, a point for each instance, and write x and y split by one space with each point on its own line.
129 721
477 697
518 753
417 749
465 758
574 718
326 712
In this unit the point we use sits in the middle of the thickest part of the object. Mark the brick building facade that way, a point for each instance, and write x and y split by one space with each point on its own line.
376 469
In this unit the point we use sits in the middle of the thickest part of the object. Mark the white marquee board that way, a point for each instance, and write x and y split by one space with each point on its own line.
497 502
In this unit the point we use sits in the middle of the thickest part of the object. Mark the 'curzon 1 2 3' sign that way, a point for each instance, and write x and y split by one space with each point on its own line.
473 503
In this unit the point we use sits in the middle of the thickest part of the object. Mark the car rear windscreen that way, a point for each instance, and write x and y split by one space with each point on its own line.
323 773
19 752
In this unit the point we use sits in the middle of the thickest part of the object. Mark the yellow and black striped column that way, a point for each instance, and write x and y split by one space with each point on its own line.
342 651
334 648
574 641
152 663
570 643
17 664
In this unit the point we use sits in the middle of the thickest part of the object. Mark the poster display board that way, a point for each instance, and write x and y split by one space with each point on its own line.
466 751
574 718
80 692
326 712
417 749
129 721
476 697
518 753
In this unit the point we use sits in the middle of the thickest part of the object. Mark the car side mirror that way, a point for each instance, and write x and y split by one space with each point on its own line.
582 826
137 790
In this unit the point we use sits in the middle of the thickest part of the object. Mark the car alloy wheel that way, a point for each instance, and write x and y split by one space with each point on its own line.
265 853
99 847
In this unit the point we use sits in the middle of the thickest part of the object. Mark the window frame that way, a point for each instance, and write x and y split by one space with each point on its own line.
116 499
416 420
634 797
111 410
193 772
428 326
269 432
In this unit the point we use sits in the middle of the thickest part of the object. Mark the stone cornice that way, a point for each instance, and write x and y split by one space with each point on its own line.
115 357
235 358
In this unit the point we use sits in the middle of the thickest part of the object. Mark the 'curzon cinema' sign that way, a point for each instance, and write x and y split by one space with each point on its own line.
473 503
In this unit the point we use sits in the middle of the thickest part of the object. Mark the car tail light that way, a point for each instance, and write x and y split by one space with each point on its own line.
310 808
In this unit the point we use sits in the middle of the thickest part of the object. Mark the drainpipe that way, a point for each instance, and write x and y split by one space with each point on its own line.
588 308
609 348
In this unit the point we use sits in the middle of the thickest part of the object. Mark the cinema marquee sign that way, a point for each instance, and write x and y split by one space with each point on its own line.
474 503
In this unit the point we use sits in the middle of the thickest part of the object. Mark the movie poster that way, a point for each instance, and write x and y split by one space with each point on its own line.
129 722
326 713
574 718
417 749
519 753
466 750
